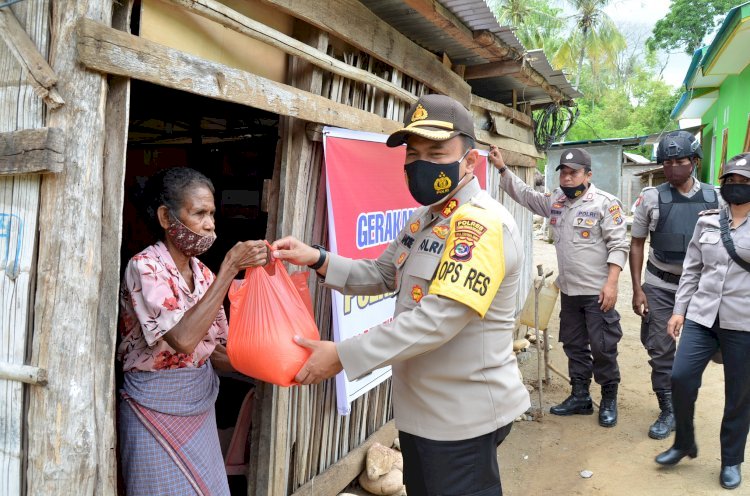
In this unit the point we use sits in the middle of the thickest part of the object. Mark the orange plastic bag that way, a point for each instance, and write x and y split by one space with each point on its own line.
266 313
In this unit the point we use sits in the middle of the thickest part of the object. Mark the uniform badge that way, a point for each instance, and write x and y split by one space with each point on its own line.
548 194
553 221
585 234
417 293
414 226
638 201
467 233
441 231
420 113
579 221
617 218
557 205
401 258
589 222
449 207
614 209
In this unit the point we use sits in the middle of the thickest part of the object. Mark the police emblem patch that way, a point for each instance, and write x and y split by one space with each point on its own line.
589 222
417 293
614 209
467 233
557 205
414 226
420 113
553 221
442 184
586 234
441 231
401 258
617 218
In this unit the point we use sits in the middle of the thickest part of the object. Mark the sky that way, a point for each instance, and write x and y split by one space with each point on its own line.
639 17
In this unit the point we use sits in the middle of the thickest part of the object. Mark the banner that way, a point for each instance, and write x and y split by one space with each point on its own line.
368 204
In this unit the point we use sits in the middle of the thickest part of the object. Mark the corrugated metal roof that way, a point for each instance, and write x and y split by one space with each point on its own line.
476 16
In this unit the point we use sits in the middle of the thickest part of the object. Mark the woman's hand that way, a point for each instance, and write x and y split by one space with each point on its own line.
220 359
674 326
247 254
295 251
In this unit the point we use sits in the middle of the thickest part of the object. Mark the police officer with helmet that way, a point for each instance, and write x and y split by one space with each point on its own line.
590 238
668 213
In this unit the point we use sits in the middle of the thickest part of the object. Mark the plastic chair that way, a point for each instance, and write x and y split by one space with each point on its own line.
234 461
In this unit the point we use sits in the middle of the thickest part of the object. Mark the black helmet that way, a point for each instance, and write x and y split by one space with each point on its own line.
678 144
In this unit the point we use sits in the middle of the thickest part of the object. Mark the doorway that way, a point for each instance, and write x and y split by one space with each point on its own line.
235 147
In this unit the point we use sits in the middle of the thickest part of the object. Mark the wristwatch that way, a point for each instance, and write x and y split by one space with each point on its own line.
321 259
502 169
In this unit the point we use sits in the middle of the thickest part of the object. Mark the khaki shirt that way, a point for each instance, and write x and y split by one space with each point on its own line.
645 219
588 232
712 284
450 342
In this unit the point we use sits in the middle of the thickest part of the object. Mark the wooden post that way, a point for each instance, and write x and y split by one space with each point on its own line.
20 108
66 433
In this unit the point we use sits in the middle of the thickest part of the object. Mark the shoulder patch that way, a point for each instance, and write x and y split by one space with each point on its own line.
712 211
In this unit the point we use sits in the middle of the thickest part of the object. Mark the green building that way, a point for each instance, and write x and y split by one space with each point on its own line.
717 91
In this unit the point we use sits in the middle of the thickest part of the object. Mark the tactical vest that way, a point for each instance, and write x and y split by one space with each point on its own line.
678 215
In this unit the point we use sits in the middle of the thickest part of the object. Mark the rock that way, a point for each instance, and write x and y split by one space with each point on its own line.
389 484
586 474
521 344
379 461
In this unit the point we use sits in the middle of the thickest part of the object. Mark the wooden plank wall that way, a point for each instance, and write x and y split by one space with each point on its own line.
20 108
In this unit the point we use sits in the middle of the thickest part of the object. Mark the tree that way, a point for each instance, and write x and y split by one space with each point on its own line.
595 37
536 23
688 22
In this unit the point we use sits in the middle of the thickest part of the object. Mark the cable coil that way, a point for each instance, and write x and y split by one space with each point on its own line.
552 124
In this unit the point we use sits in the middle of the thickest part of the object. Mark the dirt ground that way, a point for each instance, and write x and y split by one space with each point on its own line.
546 456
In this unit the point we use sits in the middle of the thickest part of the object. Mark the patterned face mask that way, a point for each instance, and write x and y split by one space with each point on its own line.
189 242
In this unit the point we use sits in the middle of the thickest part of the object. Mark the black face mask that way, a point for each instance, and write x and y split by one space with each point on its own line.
430 182
573 192
735 193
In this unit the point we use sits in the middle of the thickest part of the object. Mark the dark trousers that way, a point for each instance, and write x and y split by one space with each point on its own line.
659 345
589 337
697 345
452 468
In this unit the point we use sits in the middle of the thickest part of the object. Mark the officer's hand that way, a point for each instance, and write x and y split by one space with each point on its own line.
495 157
294 251
640 303
322 364
674 326
608 297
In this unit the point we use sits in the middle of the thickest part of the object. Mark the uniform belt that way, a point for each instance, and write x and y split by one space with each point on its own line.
661 274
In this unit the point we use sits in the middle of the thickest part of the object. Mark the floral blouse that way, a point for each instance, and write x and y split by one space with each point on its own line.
153 299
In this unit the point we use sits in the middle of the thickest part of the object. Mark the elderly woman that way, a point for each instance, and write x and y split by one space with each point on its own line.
173 331
711 302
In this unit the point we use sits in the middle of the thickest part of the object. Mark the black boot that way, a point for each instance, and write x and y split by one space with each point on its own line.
578 403
730 476
673 455
608 408
664 424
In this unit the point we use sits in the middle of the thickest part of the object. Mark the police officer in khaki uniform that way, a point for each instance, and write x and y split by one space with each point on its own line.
668 213
711 303
590 237
456 267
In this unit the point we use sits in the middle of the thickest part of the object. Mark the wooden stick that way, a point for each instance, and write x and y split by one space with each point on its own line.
38 72
23 373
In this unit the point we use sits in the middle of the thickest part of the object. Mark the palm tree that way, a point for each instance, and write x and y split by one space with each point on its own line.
596 37
535 22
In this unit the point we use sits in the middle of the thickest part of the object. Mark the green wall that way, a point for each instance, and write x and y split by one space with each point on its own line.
733 95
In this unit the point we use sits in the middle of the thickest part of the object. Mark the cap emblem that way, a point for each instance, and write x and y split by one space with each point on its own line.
420 113
741 162
568 156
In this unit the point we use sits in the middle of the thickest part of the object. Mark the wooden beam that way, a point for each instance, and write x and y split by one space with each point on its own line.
221 14
108 50
340 474
32 151
38 72
492 69
23 373
499 108
357 25
510 152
